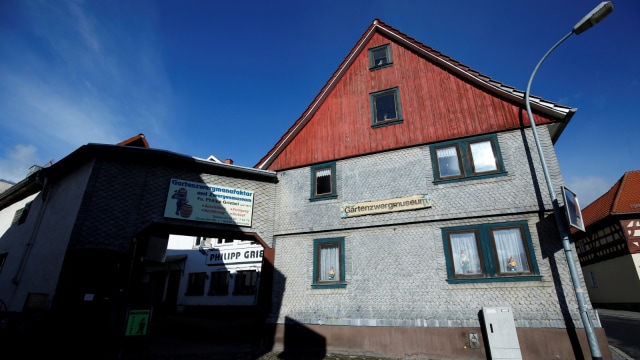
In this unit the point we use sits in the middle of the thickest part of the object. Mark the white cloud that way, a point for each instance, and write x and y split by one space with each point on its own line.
17 161
74 75
589 188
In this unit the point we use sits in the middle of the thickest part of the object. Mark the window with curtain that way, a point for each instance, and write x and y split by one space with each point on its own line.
323 181
464 249
511 254
329 263
448 161
467 159
490 252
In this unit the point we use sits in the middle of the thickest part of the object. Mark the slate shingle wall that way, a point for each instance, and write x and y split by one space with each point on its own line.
395 262
124 198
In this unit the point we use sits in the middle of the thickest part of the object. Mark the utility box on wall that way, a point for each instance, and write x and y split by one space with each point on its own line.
502 338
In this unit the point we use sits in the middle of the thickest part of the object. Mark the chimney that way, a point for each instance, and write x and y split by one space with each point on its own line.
228 161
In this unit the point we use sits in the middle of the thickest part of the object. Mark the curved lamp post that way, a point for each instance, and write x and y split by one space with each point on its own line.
592 18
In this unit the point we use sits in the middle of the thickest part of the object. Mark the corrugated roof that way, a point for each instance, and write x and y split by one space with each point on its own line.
552 109
622 198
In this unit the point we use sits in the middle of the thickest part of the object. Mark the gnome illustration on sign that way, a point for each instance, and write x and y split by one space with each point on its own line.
180 196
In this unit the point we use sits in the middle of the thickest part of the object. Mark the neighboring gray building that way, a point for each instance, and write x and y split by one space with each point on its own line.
5 184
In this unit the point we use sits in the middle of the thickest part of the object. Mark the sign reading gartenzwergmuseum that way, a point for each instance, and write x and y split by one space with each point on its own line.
203 202
385 206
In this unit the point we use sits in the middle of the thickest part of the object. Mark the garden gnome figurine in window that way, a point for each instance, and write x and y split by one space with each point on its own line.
511 265
464 261
332 273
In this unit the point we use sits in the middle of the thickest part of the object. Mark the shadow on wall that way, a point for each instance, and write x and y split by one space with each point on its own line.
299 339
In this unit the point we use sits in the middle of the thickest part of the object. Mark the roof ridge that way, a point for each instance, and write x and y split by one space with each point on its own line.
624 183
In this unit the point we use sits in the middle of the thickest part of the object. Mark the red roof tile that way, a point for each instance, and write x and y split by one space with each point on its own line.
622 198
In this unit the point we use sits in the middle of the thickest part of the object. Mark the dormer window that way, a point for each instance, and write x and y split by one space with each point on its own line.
379 57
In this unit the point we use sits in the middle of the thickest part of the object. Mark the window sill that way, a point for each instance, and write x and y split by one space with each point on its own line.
329 286
380 67
496 279
330 197
386 123
468 178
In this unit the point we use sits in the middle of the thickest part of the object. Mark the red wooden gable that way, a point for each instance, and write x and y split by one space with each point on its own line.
440 99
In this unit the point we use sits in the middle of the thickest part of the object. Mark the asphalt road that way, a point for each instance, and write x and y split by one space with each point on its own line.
623 330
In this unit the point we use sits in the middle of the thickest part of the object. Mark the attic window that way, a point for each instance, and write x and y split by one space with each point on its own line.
385 108
20 215
379 57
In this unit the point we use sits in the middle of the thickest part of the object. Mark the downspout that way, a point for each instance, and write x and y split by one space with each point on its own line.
32 238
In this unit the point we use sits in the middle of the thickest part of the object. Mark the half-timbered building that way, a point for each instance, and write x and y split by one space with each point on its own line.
609 248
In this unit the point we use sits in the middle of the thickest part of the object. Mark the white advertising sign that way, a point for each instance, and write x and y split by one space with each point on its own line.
234 255
188 200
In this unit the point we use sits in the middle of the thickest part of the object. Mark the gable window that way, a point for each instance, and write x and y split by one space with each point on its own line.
246 282
219 283
20 215
323 181
489 252
379 57
467 158
328 263
385 107
196 284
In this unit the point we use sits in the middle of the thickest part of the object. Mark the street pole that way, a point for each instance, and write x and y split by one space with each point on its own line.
592 18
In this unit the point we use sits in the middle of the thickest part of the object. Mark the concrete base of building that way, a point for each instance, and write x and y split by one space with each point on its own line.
431 343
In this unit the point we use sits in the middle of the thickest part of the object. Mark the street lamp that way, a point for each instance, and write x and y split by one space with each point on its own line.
592 18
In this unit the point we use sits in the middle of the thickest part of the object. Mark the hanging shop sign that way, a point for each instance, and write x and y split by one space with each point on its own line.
211 203
385 206
234 255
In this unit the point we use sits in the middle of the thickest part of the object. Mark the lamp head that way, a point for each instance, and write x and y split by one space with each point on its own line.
595 16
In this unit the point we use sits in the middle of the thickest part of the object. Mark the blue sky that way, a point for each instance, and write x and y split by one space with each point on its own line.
228 78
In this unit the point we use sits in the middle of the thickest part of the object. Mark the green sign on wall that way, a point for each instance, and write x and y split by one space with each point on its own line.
137 322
